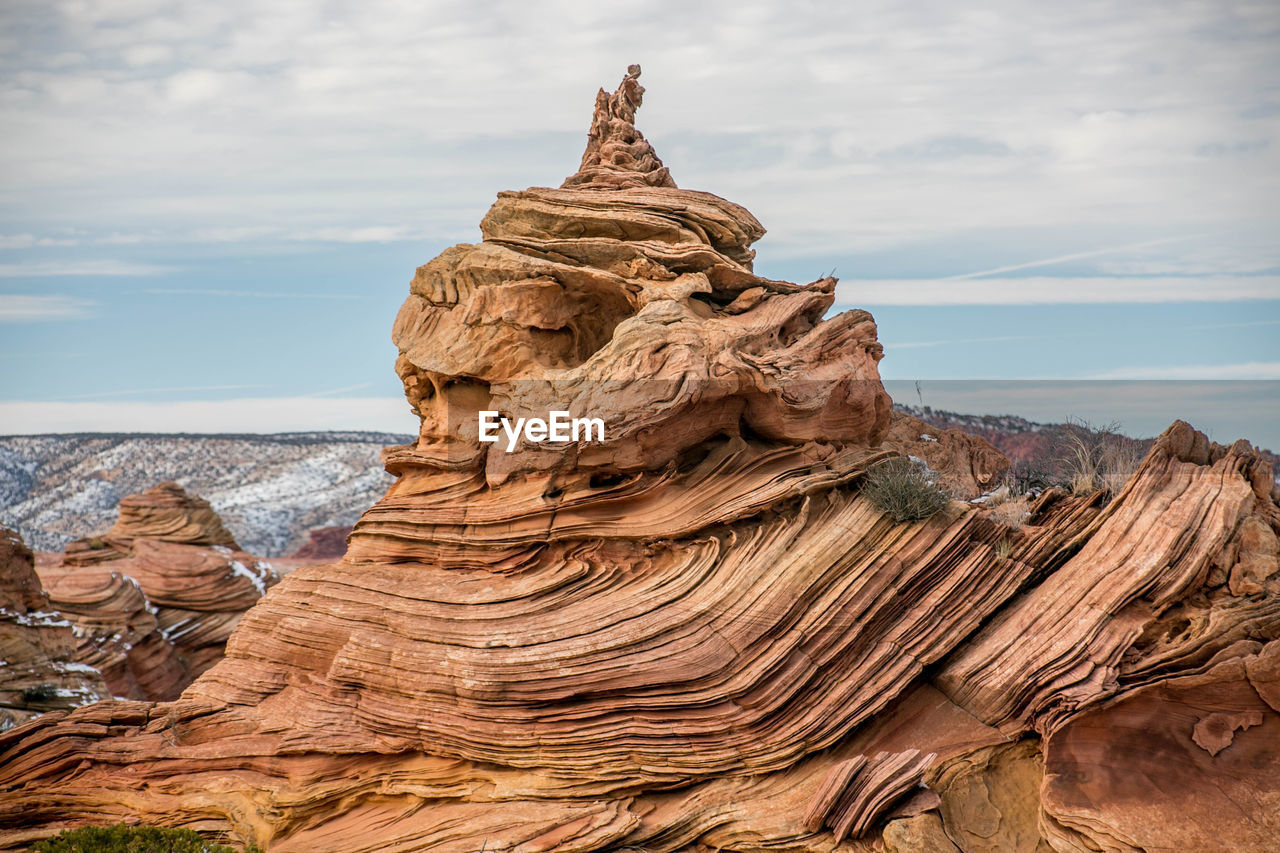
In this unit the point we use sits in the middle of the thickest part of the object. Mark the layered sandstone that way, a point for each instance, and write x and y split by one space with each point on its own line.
967 465
37 670
697 634
154 600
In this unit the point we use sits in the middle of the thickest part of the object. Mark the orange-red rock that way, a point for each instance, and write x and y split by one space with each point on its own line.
696 634
967 465
37 669
154 600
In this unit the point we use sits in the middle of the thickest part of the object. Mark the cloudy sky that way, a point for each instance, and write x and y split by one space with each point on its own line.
209 213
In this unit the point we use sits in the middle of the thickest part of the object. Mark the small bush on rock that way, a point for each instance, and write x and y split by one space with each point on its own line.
904 489
130 839
39 693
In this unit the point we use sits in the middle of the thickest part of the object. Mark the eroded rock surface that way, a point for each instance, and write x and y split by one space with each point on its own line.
154 600
697 634
38 671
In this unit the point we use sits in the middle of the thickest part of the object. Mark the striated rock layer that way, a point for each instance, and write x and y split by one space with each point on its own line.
696 633
154 600
37 669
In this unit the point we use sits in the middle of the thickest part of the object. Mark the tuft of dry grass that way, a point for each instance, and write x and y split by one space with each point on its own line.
904 490
1011 513
1098 457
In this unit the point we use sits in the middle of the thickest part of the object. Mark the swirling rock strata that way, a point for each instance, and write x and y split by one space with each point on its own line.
166 512
37 669
154 600
695 634
116 631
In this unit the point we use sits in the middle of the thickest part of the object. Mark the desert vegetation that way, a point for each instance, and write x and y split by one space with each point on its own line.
131 839
1098 457
904 489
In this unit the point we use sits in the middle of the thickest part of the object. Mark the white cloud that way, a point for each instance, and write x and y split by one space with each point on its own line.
19 308
332 392
43 269
28 241
873 123
1248 370
1054 291
256 415
1060 259
252 294
148 54
952 341
186 389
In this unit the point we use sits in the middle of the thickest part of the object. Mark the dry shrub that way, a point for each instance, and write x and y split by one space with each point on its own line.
1011 513
1098 457
904 489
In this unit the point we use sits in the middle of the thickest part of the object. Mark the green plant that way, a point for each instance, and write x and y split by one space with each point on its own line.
39 693
131 839
904 489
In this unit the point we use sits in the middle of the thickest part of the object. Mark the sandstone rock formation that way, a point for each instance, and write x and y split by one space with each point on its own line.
968 465
697 634
154 600
37 672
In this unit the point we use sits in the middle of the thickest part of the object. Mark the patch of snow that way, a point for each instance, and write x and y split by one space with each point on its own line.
1001 493
180 629
74 666
239 569
36 618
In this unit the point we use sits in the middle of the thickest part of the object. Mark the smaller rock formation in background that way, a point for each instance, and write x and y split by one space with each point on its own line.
154 599
967 465
38 672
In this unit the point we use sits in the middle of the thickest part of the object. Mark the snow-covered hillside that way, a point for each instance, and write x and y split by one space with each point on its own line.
269 489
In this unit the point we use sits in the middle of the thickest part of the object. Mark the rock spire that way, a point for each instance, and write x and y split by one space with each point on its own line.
618 156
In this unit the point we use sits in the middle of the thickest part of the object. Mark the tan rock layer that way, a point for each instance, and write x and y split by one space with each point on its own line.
617 154
856 792
166 512
967 465
1061 647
